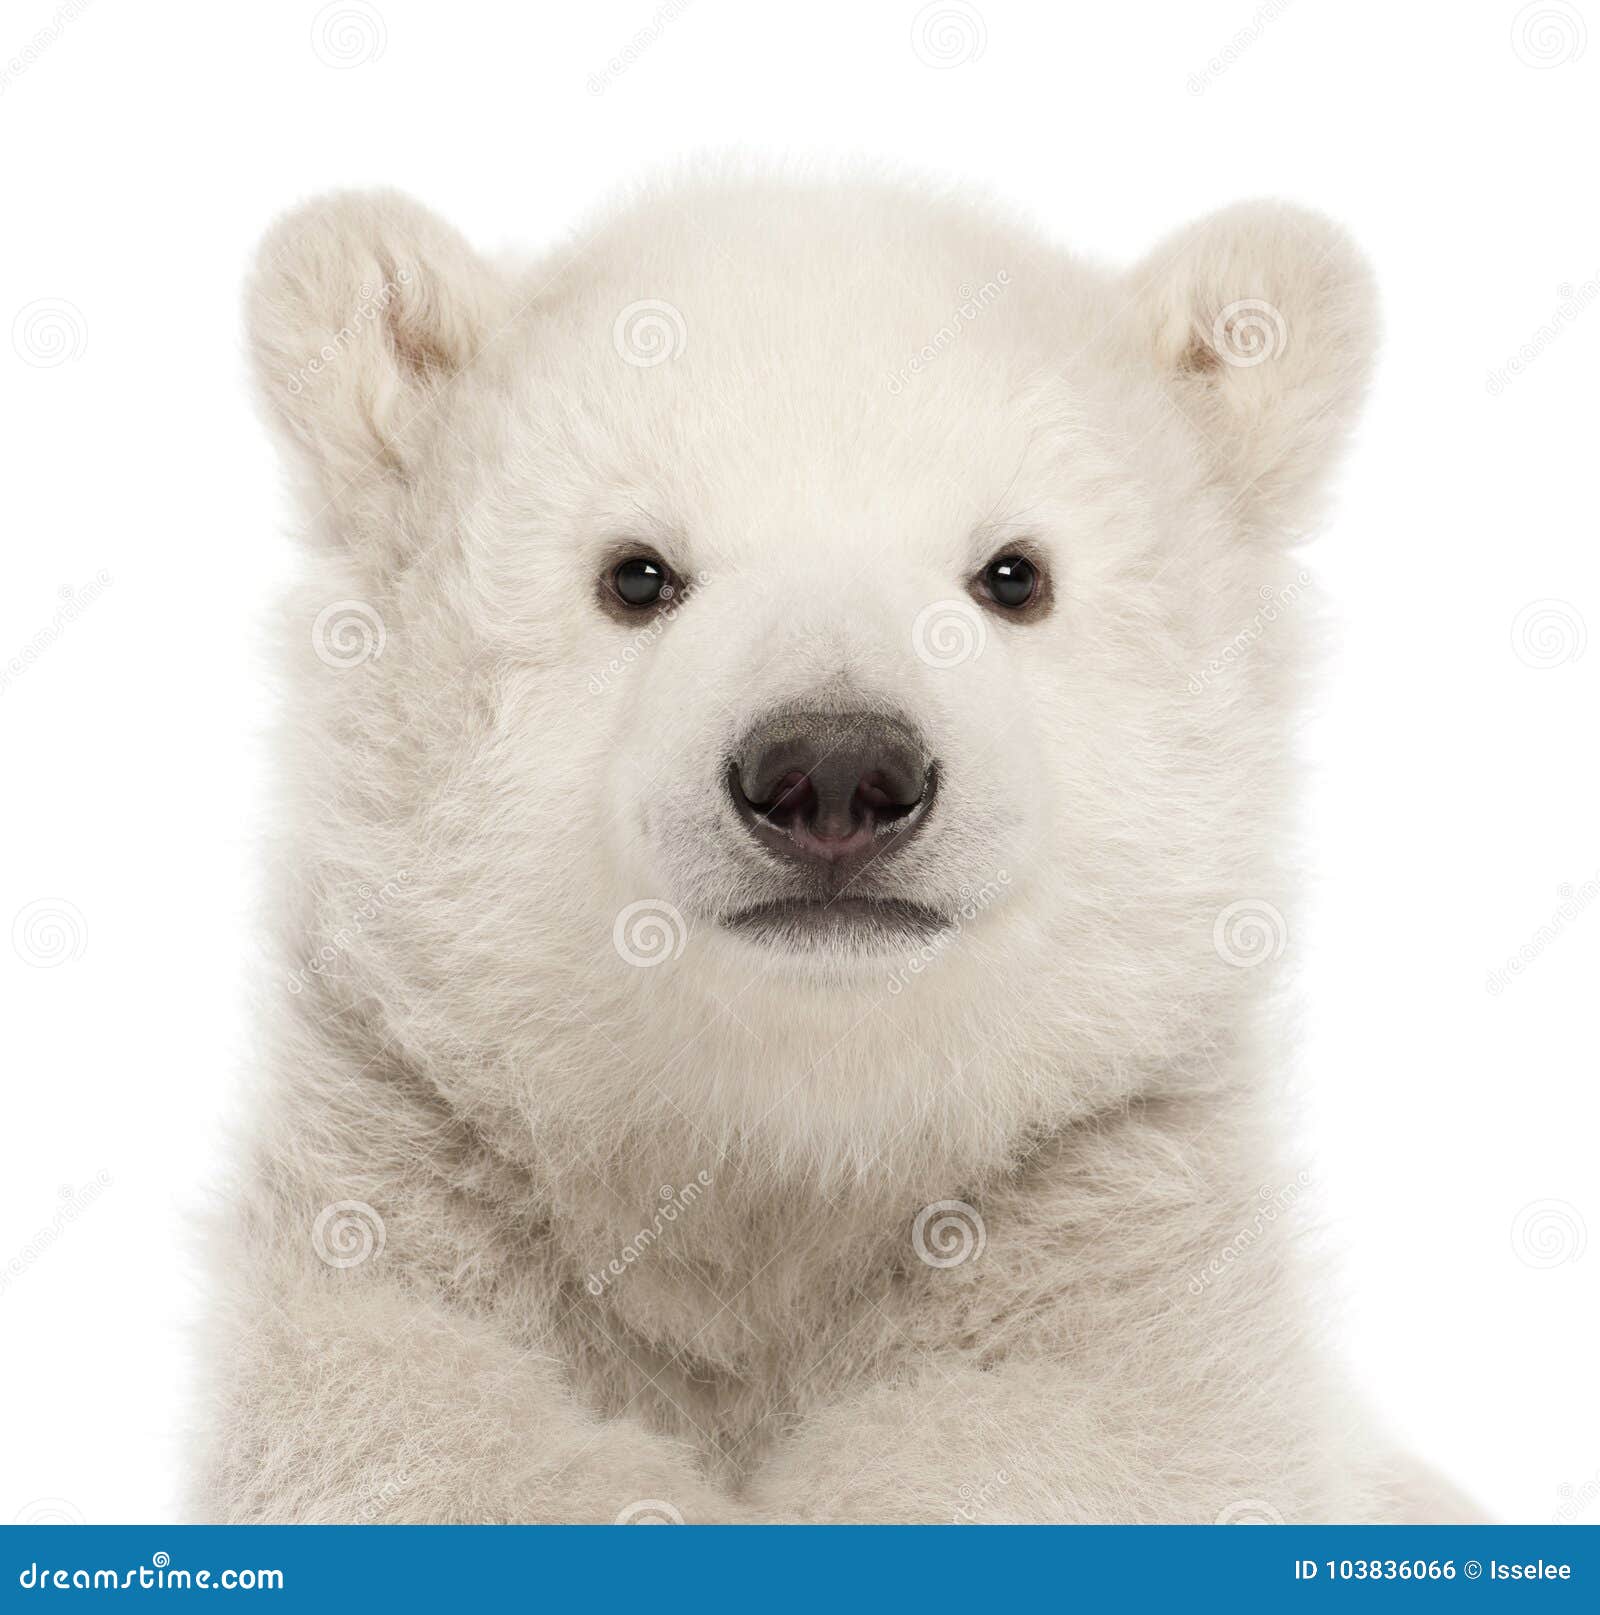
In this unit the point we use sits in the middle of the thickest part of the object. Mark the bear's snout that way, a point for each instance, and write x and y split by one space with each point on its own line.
832 790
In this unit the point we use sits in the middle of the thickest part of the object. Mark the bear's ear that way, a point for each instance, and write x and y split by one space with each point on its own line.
1262 322
362 310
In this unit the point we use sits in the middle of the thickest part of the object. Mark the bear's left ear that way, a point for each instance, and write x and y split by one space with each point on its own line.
1262 323
363 310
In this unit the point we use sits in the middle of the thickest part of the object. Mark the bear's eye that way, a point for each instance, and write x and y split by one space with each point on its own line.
641 580
1011 581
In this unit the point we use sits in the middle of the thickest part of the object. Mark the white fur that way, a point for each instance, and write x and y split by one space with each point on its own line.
467 1052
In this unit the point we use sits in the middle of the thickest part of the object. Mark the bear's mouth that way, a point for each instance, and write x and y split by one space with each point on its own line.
861 924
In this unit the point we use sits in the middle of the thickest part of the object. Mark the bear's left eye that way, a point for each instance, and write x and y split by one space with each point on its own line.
1010 581
641 580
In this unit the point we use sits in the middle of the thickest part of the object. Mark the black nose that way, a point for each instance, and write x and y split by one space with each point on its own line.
832 789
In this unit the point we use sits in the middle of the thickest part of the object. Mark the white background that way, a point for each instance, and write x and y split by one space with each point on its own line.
1455 784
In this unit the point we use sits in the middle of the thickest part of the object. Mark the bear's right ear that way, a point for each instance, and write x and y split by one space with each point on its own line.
362 310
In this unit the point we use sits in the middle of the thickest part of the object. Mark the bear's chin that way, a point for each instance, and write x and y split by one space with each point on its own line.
836 931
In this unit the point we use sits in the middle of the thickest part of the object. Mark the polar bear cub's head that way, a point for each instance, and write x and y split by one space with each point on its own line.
794 618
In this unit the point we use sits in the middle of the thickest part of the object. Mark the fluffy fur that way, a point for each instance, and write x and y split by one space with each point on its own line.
654 1233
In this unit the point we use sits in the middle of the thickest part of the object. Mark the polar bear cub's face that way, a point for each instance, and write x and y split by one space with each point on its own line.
828 592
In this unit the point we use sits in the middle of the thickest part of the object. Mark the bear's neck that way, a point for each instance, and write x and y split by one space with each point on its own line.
820 1157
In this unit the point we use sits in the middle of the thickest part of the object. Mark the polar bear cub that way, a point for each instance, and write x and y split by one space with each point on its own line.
782 781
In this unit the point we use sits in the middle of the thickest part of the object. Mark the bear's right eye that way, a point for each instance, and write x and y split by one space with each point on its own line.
641 581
